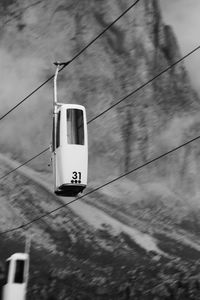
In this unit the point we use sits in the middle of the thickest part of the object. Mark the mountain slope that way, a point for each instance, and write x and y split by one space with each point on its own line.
84 245
135 49
140 235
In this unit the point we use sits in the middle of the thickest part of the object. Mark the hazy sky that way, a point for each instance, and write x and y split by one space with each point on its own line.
184 16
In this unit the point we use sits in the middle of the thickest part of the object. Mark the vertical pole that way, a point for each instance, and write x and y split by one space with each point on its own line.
55 83
55 100
28 244
55 109
27 250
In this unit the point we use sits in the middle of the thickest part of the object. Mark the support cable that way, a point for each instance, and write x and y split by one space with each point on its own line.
69 62
146 83
118 102
91 120
25 163
102 186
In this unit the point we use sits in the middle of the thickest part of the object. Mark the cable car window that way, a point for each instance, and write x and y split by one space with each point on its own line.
58 131
7 270
19 271
75 126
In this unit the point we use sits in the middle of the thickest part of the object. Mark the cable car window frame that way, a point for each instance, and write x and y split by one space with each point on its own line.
7 268
58 130
53 138
75 126
19 271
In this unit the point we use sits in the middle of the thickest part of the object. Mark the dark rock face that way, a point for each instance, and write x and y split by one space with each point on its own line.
130 53
139 46
159 200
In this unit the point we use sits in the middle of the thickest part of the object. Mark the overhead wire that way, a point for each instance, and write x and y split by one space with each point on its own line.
110 107
65 64
145 84
91 120
102 32
102 186
25 163
45 82
24 99
115 104
118 102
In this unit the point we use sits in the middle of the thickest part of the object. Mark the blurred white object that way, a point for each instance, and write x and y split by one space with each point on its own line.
17 268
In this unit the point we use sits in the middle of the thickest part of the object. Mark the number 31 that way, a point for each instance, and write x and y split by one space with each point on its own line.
76 175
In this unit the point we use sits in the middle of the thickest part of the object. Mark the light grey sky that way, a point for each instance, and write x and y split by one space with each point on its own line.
184 17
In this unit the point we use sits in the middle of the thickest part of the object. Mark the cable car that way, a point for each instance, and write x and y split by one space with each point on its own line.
70 149
17 268
69 145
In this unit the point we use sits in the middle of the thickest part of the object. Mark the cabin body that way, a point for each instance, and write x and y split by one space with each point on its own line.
70 150
17 267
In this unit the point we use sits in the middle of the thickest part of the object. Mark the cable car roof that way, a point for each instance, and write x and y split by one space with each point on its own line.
68 105
18 256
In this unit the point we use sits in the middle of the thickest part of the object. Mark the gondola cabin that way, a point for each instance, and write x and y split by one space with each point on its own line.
70 149
17 267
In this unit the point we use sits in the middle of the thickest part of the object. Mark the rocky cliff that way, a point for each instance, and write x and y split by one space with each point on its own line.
135 49
160 201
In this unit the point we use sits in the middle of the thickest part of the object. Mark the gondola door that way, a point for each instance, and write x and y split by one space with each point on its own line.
71 150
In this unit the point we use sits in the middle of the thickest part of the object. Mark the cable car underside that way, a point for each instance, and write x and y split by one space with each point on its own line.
68 190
